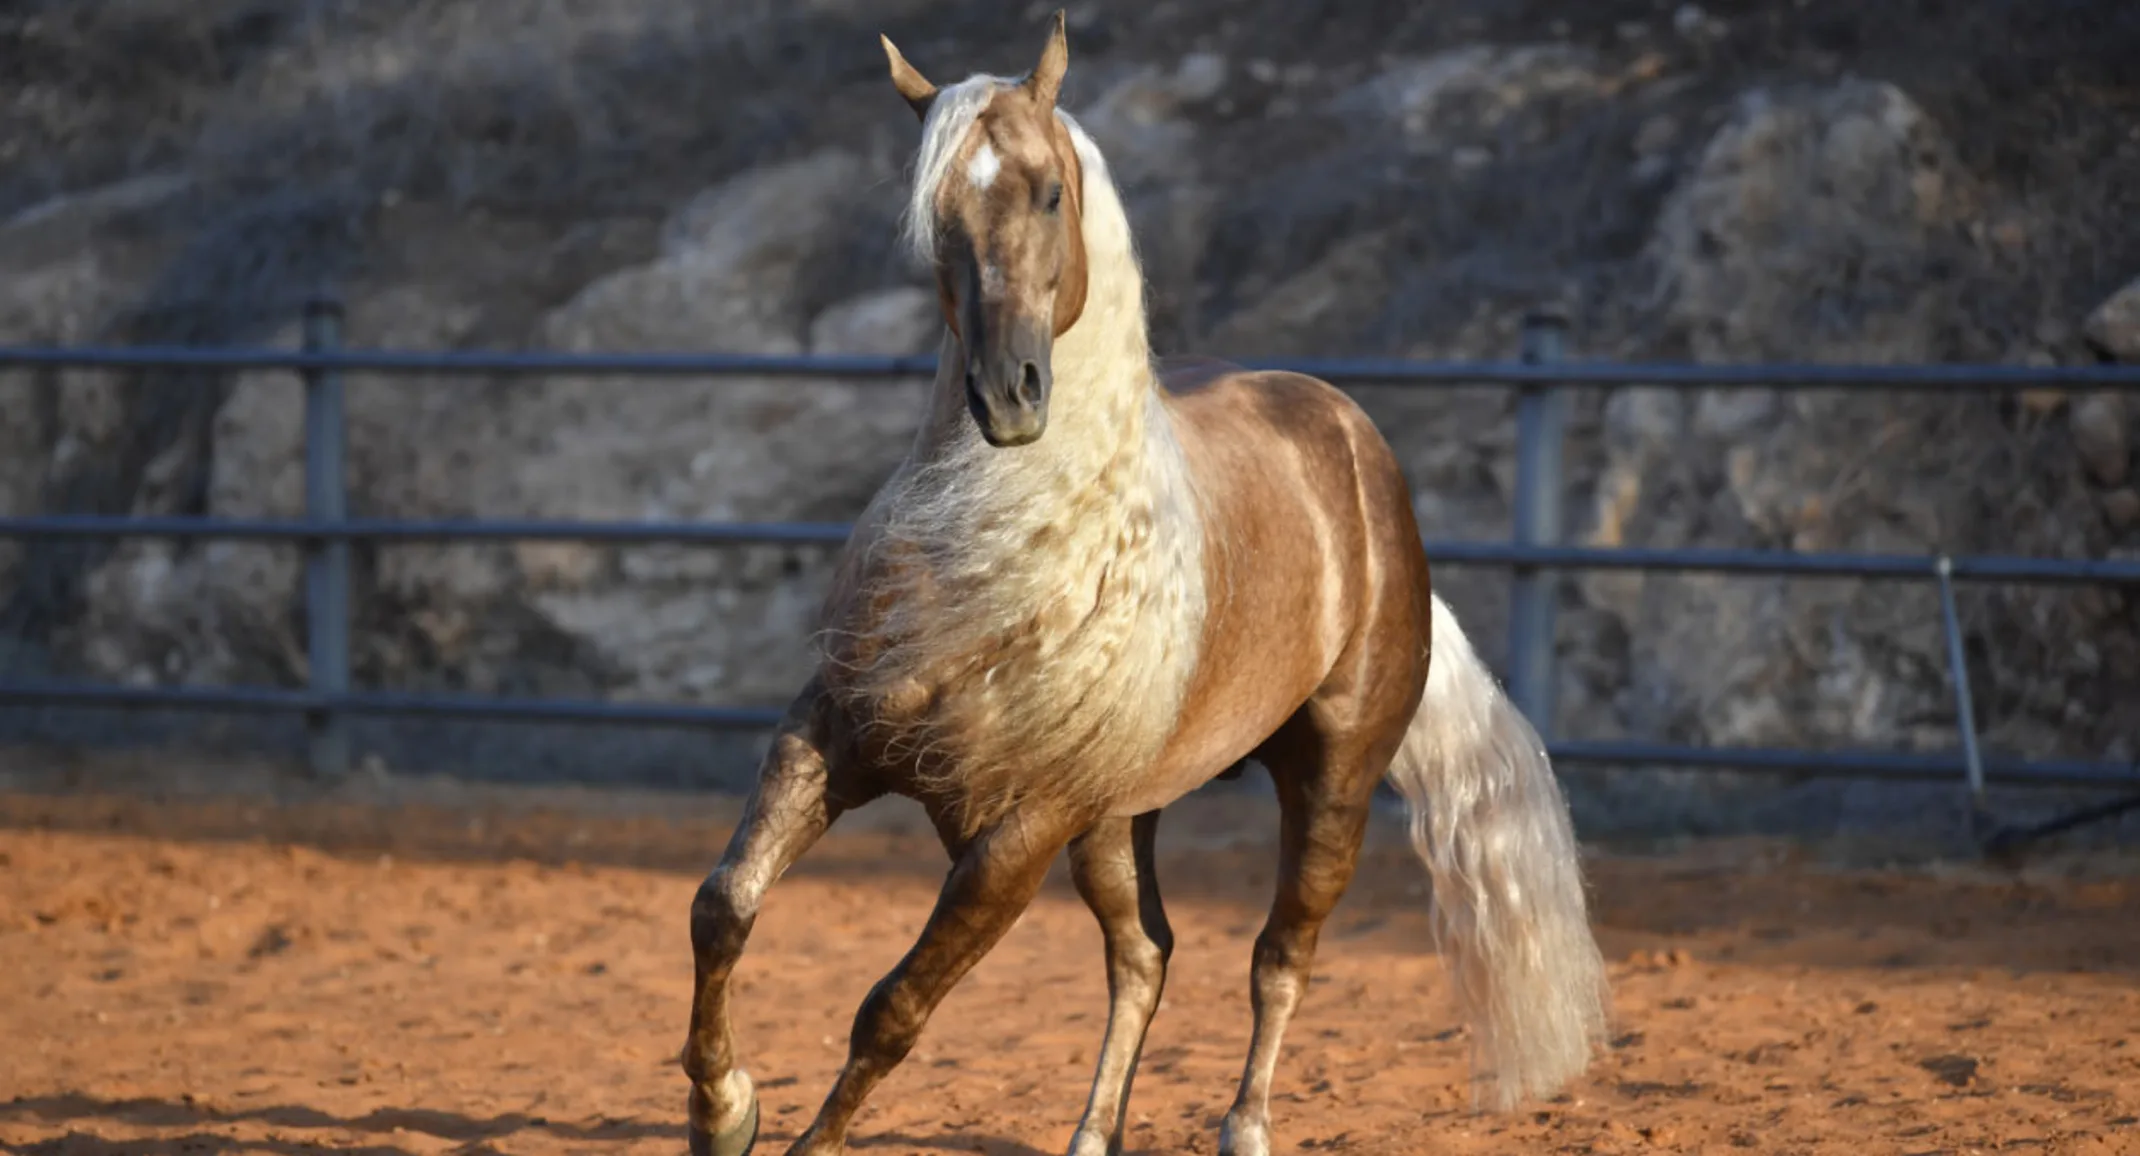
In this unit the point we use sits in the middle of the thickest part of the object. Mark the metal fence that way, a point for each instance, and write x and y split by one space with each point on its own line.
1535 553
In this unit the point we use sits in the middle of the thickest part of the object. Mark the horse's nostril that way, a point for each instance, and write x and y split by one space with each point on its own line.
1029 384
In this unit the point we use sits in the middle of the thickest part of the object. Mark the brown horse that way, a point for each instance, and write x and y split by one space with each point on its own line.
1094 586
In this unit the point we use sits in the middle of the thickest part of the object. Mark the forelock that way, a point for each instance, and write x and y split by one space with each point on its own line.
951 118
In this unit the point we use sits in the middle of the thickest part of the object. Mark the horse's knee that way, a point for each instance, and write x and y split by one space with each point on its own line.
889 1023
1282 955
1162 943
1144 962
1148 951
722 911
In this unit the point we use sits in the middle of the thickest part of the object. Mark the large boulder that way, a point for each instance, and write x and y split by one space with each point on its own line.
1820 225
217 611
68 268
1456 102
741 268
220 611
734 276
676 622
1139 116
1811 228
1805 230
1142 116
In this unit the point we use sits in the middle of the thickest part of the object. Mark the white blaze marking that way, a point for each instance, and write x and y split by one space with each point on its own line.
984 166
993 283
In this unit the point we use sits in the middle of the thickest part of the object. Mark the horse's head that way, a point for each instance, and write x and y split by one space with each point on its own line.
997 200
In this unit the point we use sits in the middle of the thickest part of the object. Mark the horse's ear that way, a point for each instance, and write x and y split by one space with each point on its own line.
1046 81
912 85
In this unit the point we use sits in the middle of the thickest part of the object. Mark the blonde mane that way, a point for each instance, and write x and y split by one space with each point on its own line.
1030 618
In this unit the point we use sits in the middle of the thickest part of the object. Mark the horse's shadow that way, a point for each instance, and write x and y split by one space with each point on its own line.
476 1134
949 1142
71 1107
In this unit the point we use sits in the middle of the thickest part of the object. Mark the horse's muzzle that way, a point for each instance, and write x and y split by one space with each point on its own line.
1009 399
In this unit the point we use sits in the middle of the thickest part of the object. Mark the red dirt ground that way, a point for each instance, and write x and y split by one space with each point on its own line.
391 968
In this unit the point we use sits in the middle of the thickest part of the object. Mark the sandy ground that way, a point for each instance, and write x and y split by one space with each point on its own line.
413 969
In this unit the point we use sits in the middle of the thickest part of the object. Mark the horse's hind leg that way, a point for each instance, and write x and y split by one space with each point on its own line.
1324 797
1113 869
801 789
994 878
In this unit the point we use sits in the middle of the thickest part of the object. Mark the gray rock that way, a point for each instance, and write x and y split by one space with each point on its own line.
731 278
1297 314
1473 91
1137 120
59 228
1692 22
224 611
890 322
229 610
1199 76
1645 417
2115 324
2099 437
1733 413
2121 508
51 425
1810 227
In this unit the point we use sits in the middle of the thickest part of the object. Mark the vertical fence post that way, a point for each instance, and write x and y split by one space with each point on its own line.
1541 417
326 560
1965 714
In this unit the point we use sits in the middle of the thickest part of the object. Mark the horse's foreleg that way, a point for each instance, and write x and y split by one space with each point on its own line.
1113 869
995 877
1322 823
795 801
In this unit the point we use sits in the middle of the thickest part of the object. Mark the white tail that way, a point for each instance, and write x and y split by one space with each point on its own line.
1510 916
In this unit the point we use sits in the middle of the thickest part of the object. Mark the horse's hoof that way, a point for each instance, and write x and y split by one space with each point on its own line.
1093 1144
1244 1139
737 1141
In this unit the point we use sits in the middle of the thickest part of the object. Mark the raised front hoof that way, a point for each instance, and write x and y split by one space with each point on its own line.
737 1141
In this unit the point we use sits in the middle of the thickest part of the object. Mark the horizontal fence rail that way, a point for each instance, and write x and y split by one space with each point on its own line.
1338 370
1535 553
1785 563
1855 764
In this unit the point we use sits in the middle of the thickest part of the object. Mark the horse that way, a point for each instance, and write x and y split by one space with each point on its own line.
1097 582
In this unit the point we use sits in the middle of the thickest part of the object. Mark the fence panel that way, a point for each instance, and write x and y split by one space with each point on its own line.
1535 553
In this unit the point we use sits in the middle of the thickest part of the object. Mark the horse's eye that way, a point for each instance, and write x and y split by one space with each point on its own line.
1055 196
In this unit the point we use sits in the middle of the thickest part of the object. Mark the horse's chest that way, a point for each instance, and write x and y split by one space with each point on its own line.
945 657
971 677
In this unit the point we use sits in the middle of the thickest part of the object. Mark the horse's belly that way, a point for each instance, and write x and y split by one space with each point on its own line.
1175 780
1227 718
